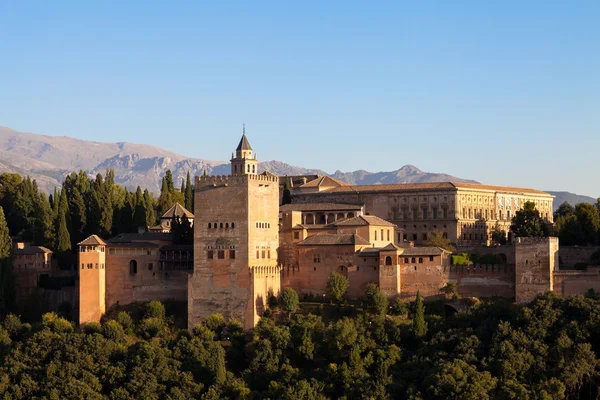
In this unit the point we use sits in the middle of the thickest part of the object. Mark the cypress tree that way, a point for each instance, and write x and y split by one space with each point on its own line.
287 193
7 278
189 194
63 238
139 213
419 326
55 201
165 200
149 204
43 222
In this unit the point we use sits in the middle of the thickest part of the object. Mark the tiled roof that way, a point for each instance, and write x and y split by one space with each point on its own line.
133 244
363 220
326 239
179 210
423 251
141 237
244 143
319 207
32 250
324 181
297 180
93 240
464 185
390 246
451 186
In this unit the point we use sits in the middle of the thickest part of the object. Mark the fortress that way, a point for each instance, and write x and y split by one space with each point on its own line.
247 247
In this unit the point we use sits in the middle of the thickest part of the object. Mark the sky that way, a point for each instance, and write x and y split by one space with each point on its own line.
504 92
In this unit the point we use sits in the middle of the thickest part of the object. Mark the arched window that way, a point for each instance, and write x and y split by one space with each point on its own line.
235 169
221 225
420 260
388 260
226 225
253 169
350 215
232 225
412 260
248 169
132 267
209 225
375 235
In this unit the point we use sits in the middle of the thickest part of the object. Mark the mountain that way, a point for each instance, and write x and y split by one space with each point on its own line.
48 159
571 198
406 174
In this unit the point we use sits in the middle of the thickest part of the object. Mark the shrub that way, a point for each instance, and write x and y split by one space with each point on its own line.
113 330
155 309
92 327
56 324
151 327
289 300
12 324
125 320
399 307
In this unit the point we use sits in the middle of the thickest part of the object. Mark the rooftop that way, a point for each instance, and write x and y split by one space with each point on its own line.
32 250
320 207
325 239
178 210
424 251
450 186
324 181
93 240
244 144
363 220
141 237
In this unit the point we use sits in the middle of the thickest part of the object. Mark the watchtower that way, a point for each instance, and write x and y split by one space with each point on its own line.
245 161
236 236
92 279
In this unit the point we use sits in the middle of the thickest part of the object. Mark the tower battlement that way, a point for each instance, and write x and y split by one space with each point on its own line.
226 180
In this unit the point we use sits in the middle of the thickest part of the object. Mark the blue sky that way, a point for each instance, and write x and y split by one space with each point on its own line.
504 92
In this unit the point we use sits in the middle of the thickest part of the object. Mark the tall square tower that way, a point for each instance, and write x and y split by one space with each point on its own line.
236 236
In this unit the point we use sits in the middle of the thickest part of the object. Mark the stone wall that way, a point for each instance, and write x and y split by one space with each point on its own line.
568 283
471 281
571 255
147 284
535 261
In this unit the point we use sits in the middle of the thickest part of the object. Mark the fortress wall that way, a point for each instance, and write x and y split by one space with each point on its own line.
471 281
568 283
535 261
122 287
571 255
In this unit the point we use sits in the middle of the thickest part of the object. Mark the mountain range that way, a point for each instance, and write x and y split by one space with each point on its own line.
48 159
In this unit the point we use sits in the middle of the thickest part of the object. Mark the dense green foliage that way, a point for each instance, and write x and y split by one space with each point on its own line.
548 349
82 207
527 222
337 287
579 225
7 277
439 239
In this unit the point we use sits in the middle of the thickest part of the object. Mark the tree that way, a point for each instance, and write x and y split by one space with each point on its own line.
165 200
564 210
287 192
337 286
63 238
149 203
439 239
189 194
589 223
139 213
289 300
449 289
7 278
43 222
376 299
419 326
499 236
528 223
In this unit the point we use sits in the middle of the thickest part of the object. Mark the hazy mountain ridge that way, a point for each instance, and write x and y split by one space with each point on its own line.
48 159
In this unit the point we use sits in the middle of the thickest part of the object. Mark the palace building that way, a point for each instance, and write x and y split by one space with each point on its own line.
247 247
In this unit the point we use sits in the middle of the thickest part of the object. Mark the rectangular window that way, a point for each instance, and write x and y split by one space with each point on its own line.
210 255
269 254
405 260
430 258
232 254
425 213
435 213
420 260
404 237
388 235
263 254
296 235
257 254
221 254
414 236
150 266
317 258
444 212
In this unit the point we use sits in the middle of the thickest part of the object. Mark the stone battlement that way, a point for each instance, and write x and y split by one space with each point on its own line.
220 180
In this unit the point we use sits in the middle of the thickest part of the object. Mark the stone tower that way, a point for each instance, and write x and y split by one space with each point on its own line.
245 161
92 279
236 236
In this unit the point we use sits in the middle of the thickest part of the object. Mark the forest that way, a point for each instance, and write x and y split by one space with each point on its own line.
494 349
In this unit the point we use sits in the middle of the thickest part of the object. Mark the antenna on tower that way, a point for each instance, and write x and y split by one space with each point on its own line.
244 128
